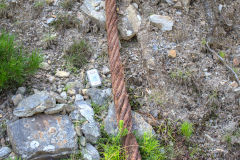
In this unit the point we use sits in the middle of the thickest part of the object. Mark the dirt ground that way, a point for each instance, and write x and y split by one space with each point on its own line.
194 86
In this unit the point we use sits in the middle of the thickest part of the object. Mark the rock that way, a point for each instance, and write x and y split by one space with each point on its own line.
62 74
105 70
178 5
58 108
78 130
90 153
79 98
59 99
50 20
33 104
236 61
234 84
71 92
64 95
91 131
51 79
42 137
129 25
75 115
21 90
94 11
94 78
16 99
76 85
83 141
98 96
186 4
139 124
45 66
85 110
172 53
4 152
70 108
110 122
170 2
163 22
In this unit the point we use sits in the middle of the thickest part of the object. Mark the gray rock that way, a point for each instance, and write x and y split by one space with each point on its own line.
91 131
21 90
78 130
4 152
98 96
16 99
76 85
76 116
33 104
59 99
83 141
64 95
110 122
42 137
139 124
129 25
165 23
90 153
105 70
51 79
89 8
70 108
83 110
79 98
58 108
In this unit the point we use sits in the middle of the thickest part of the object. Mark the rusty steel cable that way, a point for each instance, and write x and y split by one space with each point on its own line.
122 106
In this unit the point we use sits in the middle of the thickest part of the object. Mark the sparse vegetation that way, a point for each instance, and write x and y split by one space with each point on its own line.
186 129
98 110
67 4
3 8
150 148
16 64
49 39
78 54
65 21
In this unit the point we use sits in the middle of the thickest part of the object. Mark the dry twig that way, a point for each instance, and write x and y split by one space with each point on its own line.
222 60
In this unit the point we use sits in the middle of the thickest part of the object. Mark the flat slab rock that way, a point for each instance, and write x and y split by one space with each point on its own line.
35 103
42 137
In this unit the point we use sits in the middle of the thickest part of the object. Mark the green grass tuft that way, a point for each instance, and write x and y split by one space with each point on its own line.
3 8
78 54
15 63
187 129
67 4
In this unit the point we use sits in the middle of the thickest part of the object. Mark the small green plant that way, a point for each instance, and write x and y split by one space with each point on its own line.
16 64
228 138
39 4
150 148
65 21
67 4
3 8
180 75
49 39
78 54
98 110
204 42
222 54
113 149
186 129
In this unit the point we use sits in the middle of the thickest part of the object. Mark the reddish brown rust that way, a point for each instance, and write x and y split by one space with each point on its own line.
123 108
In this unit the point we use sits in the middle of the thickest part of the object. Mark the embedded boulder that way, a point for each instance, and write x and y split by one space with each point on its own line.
42 137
